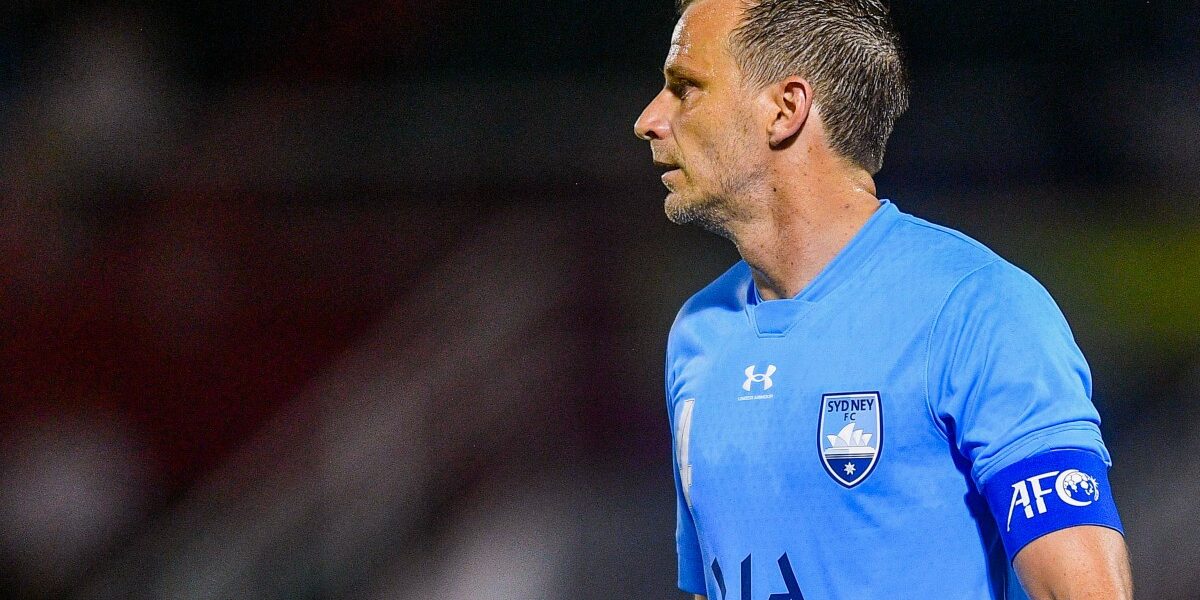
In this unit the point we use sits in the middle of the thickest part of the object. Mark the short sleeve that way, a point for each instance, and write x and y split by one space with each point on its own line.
1006 379
687 543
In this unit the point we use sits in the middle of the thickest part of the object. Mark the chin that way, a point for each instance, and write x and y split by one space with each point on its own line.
702 212
678 209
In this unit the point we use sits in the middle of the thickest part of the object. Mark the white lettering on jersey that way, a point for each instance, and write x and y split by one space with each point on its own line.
683 434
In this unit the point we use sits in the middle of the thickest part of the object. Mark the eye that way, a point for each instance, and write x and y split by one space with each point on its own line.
681 88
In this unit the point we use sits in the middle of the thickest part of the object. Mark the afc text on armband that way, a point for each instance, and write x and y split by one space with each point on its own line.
1073 487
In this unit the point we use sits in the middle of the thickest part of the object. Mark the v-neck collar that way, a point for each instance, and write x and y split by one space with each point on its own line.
776 317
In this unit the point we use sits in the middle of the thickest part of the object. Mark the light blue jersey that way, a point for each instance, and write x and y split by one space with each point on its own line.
920 406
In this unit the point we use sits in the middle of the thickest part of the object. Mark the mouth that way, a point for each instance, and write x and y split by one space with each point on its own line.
664 167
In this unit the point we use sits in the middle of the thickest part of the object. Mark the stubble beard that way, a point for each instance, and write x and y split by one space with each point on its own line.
708 212
716 212
739 177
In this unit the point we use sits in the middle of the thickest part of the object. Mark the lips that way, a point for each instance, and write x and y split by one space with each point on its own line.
665 167
670 174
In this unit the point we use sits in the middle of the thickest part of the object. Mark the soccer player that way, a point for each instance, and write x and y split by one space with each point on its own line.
867 405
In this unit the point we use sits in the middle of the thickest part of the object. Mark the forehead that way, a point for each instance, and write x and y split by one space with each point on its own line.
699 40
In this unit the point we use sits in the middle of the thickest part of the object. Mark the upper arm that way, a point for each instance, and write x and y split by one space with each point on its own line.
1006 378
1079 562
1013 393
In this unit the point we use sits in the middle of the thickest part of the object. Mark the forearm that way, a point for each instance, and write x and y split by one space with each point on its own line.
1079 563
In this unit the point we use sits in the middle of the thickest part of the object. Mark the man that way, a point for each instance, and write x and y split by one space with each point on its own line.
868 405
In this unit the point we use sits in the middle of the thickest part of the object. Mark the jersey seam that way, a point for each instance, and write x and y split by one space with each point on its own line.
937 423
998 461
951 233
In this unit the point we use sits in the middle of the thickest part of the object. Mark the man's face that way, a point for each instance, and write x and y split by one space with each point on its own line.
700 125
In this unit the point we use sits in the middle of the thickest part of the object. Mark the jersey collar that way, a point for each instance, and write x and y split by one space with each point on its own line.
776 317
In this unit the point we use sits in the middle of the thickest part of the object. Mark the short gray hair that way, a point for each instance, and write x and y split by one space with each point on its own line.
847 49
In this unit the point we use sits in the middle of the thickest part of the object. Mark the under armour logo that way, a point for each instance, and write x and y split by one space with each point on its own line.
763 378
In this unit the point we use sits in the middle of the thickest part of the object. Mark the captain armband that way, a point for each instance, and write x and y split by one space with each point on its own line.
1048 492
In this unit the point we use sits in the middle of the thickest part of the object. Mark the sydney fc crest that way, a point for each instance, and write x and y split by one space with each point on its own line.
850 435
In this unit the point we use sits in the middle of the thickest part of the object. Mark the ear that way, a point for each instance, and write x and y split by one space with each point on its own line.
789 102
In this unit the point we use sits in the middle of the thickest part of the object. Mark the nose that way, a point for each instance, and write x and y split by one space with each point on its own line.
653 123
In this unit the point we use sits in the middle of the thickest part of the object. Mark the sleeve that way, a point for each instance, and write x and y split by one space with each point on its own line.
687 543
1011 390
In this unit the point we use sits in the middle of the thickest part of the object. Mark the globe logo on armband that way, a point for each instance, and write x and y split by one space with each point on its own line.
1077 488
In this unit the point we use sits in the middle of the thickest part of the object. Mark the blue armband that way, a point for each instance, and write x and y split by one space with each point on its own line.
1048 492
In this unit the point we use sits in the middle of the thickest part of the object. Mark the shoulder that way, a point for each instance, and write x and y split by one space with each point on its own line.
706 309
997 316
939 252
725 295
961 270
726 292
1002 295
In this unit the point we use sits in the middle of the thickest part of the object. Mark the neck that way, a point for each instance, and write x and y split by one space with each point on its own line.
790 235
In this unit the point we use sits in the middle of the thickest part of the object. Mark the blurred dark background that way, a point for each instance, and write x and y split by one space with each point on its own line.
368 299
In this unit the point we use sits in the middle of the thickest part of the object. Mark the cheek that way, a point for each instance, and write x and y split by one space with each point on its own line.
698 136
684 128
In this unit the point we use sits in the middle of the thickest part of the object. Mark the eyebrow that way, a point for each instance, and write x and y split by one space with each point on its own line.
680 72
